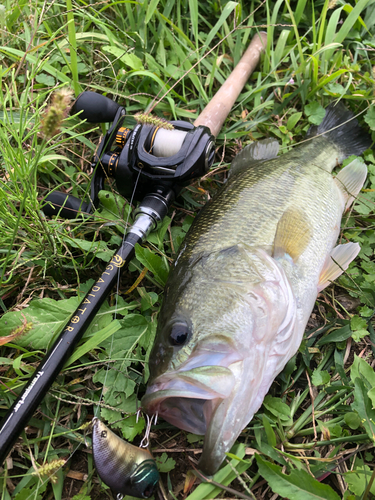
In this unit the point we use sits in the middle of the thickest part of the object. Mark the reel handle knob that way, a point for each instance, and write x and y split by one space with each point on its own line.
66 205
95 108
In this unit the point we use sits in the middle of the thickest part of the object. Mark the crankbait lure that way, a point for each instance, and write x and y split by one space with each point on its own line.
125 468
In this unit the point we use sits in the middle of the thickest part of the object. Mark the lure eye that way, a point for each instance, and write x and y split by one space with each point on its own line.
179 334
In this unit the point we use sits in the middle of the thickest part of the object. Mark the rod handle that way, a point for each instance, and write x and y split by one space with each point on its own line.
216 111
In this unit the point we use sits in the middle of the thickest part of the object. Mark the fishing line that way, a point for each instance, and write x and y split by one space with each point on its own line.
97 406
203 57
272 70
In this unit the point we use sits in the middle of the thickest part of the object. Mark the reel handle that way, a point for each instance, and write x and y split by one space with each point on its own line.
95 108
66 205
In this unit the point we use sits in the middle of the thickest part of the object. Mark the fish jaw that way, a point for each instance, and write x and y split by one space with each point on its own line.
189 397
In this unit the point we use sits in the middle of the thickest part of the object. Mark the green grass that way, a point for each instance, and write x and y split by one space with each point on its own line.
157 56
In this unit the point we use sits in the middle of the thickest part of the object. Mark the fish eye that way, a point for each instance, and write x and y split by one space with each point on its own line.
179 334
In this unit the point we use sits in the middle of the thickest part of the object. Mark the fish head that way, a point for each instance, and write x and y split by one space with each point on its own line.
212 345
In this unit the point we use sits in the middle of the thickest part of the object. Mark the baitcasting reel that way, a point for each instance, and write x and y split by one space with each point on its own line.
161 159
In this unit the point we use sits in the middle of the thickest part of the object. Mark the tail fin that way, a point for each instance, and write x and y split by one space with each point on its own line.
340 126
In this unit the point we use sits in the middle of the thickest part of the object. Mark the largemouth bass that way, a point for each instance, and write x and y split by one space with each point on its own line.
245 282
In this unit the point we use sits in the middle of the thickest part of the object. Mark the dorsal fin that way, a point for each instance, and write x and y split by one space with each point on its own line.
293 234
253 153
337 262
350 180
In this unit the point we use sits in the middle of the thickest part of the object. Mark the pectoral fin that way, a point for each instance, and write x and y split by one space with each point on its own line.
350 180
293 234
337 262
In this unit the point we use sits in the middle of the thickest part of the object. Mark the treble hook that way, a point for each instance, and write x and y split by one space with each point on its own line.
146 439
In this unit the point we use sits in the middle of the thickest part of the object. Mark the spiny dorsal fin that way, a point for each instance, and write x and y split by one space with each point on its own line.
337 262
293 234
350 180
254 152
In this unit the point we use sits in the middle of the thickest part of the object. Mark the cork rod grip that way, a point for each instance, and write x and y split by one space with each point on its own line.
216 111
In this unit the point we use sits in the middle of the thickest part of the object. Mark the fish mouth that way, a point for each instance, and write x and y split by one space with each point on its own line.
187 399
194 397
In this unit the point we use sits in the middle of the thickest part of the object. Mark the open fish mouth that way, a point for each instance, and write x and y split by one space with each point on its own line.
188 398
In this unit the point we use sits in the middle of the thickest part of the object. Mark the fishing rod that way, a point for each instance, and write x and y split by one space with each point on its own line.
153 162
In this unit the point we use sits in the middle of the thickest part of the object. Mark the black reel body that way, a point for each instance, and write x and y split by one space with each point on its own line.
140 160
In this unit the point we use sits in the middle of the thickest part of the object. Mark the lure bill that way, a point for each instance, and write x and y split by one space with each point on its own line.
125 468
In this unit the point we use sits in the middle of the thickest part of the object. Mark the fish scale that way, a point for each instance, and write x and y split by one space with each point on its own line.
246 280
244 196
